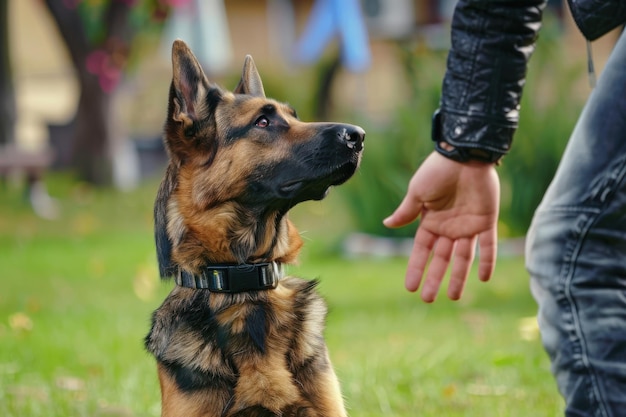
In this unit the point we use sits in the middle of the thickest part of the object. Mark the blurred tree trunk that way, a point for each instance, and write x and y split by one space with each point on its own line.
93 124
7 94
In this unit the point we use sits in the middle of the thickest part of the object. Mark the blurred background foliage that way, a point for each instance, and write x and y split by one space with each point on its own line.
122 49
395 148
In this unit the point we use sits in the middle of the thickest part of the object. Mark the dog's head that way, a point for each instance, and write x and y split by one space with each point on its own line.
238 162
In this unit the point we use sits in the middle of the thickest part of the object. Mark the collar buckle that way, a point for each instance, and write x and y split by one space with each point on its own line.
233 278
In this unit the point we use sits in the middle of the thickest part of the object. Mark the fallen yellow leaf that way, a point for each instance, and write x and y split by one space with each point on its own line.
20 322
146 282
528 328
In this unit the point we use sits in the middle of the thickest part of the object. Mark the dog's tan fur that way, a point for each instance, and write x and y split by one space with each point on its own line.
231 179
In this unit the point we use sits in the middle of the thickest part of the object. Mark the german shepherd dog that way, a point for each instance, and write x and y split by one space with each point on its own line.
236 338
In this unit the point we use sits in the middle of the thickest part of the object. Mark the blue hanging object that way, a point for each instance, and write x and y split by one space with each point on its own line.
203 25
328 19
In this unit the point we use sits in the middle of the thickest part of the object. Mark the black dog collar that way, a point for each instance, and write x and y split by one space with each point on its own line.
233 278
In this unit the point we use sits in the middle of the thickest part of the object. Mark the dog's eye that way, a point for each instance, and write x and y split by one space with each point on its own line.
262 122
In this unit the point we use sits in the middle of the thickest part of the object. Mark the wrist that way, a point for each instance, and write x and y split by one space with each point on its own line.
471 152
467 155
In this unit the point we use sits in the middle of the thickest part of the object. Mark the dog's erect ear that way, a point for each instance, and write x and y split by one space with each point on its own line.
250 82
191 87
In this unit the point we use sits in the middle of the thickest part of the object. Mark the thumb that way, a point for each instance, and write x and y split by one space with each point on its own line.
408 210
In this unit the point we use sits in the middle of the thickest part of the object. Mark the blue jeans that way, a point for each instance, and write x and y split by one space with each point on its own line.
576 254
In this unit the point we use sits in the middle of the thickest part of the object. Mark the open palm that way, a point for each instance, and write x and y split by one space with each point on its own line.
458 204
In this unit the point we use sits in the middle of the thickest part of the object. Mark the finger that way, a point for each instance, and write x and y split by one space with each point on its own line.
422 246
488 244
464 252
408 210
437 268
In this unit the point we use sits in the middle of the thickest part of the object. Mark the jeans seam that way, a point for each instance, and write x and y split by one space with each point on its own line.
581 229
569 209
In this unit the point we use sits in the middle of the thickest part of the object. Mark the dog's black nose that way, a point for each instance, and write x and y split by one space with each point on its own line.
352 136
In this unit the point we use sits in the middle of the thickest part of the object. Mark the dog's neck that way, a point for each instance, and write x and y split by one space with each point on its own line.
241 272
230 236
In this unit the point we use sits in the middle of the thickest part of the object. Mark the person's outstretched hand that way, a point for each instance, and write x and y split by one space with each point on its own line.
459 204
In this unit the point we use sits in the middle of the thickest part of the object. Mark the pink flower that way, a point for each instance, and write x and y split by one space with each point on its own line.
176 3
100 63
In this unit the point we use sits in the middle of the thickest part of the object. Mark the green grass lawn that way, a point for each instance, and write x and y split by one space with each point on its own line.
77 294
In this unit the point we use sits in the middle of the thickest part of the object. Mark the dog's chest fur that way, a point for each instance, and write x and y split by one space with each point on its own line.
243 350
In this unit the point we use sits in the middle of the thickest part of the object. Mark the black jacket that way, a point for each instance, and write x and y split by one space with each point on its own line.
492 41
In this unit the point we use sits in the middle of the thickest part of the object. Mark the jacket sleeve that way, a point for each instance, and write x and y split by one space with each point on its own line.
491 43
